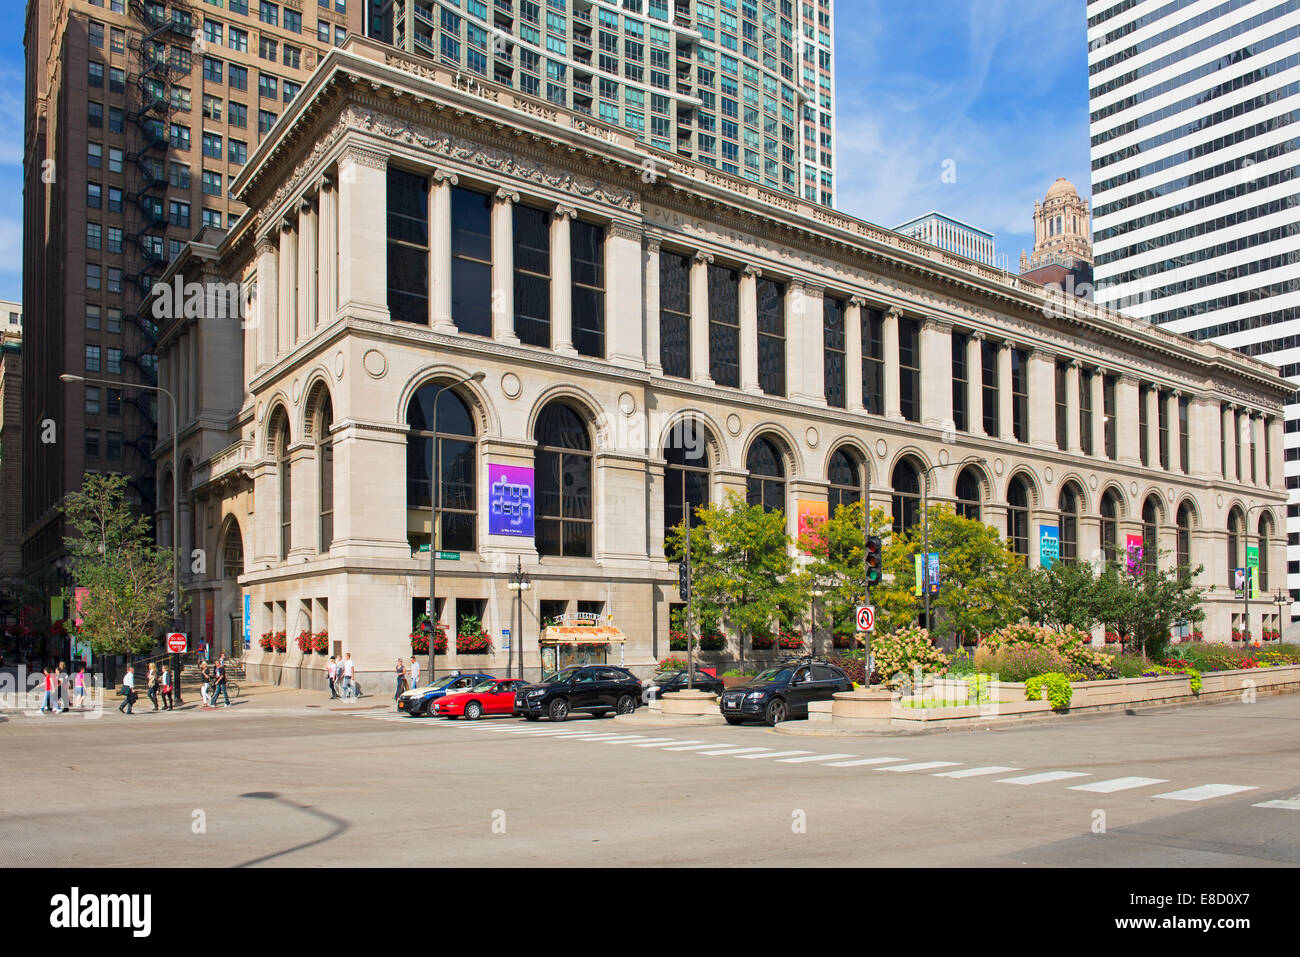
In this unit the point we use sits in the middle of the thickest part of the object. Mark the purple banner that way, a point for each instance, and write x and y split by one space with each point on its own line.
510 500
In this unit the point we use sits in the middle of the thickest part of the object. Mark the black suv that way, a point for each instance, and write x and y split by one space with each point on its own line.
783 692
593 689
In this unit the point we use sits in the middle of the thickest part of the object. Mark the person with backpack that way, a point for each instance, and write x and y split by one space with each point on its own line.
128 691
219 682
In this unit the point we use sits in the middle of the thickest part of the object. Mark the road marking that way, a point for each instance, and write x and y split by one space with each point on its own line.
1044 777
573 735
1205 792
1118 784
732 750
770 754
1290 804
692 747
975 772
649 744
920 766
645 741
815 757
620 738
863 761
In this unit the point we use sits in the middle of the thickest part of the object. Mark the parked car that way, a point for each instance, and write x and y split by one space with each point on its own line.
783 692
666 681
496 696
594 689
416 701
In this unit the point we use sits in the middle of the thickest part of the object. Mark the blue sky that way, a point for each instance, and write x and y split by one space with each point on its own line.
998 87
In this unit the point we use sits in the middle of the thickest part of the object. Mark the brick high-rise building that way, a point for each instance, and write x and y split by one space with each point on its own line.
11 443
745 86
139 115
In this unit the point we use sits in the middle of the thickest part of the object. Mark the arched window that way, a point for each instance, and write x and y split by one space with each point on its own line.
1150 534
1185 538
766 484
1069 522
564 474
686 474
845 476
968 494
232 552
1018 517
441 441
286 485
1110 526
191 526
325 472
906 483
1236 532
1265 533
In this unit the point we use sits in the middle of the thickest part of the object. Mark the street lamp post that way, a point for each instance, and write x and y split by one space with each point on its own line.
176 522
435 499
925 526
1279 599
519 583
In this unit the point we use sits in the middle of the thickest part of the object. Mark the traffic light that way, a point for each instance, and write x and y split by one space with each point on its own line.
171 604
874 557
684 581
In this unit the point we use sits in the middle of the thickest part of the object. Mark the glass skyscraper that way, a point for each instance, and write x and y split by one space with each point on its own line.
745 86
1195 131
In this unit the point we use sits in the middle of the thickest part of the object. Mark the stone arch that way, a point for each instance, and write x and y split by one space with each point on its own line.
717 449
472 393
855 447
1032 486
787 445
582 402
276 418
1120 497
316 391
1162 507
1075 481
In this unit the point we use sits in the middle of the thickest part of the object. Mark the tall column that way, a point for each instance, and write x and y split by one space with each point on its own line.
326 252
1274 456
624 296
1229 442
562 281
302 504
1006 401
889 349
975 383
749 329
1073 442
700 318
853 354
650 272
306 270
362 232
503 266
267 323
1042 399
1175 445
1256 448
1126 411
1098 385
805 343
440 250
1203 438
1152 401
936 374
288 287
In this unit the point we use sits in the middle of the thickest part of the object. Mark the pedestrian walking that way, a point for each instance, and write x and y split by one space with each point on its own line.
61 680
331 672
350 688
165 687
79 686
128 691
151 685
219 682
205 676
413 669
47 686
401 679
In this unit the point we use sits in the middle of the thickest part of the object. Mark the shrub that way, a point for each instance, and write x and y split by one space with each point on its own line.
676 641
962 662
899 652
1020 662
1130 666
673 664
1176 666
853 665
279 641
1069 644
1056 685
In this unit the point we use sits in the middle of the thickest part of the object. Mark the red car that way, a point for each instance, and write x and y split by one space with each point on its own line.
489 697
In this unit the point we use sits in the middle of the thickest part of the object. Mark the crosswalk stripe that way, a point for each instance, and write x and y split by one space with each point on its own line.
976 772
645 741
572 735
1290 804
1117 784
770 754
650 744
1044 777
692 747
814 757
863 761
1205 792
620 739
920 766
734 750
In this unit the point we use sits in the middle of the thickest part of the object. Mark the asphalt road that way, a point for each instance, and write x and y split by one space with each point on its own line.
308 786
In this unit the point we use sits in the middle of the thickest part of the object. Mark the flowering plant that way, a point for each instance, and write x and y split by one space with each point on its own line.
474 643
303 641
673 664
420 640
280 641
897 654
320 642
1238 635
1069 644
266 641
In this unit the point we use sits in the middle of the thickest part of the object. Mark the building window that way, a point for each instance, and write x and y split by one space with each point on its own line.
1184 440
1068 520
906 484
845 475
1236 535
113 364
408 246
564 483
92 443
675 314
471 261
1150 535
283 470
588 264
960 382
1018 517
232 552
325 472
92 400
1020 395
1062 405
968 494
686 474
1185 539
909 369
1162 422
1109 423
532 242
437 414
724 326
765 486
771 336
989 368
1085 410
1265 535
1110 526
113 446
1144 426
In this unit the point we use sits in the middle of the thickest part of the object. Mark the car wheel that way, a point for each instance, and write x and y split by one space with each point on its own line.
559 710
626 704
473 711
776 713
731 720
532 717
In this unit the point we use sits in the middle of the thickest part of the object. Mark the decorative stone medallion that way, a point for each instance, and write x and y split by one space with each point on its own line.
1047 475
882 447
296 390
733 424
998 467
375 363
627 403
510 385
338 364
812 437
1092 481
1133 489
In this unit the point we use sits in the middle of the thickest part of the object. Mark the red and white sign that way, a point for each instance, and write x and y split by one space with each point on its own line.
177 642
866 618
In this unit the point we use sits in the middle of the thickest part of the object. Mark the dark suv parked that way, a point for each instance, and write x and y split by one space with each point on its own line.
593 689
783 692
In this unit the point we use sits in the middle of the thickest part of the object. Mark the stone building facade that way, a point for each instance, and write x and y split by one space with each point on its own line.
650 333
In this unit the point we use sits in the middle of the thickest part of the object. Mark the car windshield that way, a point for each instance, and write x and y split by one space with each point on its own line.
445 682
663 677
489 685
775 675
564 674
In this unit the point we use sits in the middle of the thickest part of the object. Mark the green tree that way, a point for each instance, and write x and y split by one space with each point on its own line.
741 569
836 546
1064 594
976 577
126 577
1148 604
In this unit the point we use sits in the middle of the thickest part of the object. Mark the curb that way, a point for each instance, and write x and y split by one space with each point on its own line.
686 721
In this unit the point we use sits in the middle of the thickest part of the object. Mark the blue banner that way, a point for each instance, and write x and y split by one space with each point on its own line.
1049 545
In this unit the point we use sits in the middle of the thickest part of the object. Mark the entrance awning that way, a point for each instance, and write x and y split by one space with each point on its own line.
582 635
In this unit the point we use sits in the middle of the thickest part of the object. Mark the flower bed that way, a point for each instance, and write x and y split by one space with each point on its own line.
280 641
320 642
